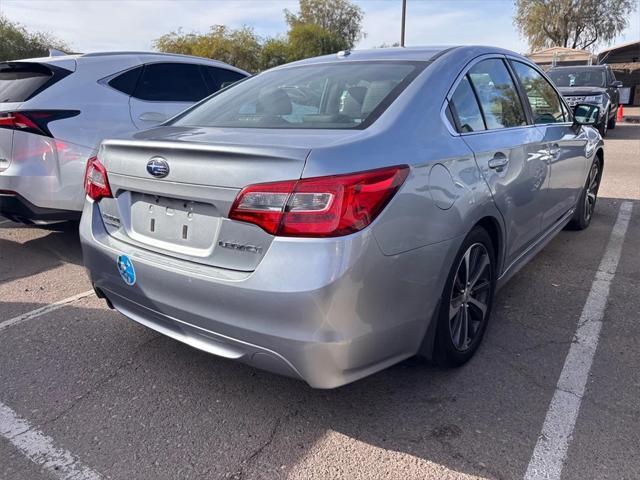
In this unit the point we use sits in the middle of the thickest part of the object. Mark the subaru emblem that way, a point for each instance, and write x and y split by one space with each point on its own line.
158 167
126 270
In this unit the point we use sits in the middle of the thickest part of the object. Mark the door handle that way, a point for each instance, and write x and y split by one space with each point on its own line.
499 161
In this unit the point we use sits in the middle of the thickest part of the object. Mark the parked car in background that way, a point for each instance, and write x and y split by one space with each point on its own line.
328 218
595 85
55 111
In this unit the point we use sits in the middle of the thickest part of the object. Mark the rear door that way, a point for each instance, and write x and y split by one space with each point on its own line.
164 90
565 144
510 153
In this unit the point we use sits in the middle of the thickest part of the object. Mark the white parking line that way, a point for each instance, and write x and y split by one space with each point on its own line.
46 309
551 449
40 449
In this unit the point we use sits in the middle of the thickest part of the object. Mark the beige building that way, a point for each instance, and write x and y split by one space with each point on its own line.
549 57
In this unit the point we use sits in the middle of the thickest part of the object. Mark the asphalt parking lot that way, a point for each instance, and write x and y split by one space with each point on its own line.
85 393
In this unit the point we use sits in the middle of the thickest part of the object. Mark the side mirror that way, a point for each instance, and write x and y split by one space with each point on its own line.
617 84
584 114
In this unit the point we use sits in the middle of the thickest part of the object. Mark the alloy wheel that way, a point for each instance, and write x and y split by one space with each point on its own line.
470 296
592 191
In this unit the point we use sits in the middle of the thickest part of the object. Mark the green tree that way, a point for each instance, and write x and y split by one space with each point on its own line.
340 18
571 23
17 43
320 27
275 51
310 40
239 47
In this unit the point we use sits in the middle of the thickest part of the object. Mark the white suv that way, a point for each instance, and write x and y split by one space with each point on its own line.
54 112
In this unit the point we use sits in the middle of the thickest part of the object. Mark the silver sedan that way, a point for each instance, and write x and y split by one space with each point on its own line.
331 217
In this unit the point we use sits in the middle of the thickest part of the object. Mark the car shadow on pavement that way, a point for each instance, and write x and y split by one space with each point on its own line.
51 247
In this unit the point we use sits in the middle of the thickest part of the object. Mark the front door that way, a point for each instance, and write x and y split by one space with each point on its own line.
565 143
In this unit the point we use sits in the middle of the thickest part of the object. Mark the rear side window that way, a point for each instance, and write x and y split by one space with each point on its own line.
171 82
497 94
466 109
21 81
218 78
126 82
545 103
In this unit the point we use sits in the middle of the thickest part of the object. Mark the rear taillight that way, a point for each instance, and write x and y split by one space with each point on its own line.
96 183
34 121
319 207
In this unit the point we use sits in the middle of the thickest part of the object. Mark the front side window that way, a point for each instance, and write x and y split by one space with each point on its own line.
335 95
467 111
171 82
544 101
497 94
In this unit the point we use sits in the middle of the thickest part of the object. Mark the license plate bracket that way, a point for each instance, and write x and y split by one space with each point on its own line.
167 222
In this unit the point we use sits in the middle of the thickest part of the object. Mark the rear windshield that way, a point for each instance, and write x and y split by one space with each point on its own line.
20 82
333 95
583 77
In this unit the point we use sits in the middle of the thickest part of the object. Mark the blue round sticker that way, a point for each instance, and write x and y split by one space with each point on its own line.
127 272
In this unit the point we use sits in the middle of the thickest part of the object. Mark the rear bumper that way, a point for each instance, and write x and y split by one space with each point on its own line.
327 311
18 208
47 174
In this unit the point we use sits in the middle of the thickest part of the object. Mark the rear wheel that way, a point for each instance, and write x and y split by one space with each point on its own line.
588 198
466 301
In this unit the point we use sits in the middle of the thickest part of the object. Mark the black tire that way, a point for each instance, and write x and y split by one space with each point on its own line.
612 121
602 127
588 198
450 350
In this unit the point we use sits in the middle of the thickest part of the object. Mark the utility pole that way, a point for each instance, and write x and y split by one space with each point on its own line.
404 18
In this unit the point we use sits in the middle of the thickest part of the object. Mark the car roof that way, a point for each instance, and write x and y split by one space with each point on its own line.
419 53
143 57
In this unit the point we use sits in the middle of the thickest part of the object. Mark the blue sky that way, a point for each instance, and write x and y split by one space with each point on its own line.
95 25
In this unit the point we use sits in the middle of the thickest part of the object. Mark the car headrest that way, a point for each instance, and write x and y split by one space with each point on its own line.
274 102
352 101
375 94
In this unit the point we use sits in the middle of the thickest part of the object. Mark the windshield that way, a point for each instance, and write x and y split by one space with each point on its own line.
584 77
335 95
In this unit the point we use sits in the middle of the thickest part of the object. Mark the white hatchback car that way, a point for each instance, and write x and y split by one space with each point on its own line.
54 112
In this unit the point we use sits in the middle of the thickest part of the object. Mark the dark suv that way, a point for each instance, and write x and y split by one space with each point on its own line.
590 84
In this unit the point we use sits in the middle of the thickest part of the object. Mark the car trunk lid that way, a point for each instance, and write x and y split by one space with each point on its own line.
183 210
